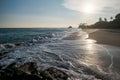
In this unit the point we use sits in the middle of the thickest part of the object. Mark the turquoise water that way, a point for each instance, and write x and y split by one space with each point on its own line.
8 35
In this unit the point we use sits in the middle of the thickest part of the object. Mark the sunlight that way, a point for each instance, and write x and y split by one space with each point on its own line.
88 8
90 44
90 41
90 52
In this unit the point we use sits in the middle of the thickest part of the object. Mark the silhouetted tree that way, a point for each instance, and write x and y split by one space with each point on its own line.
100 19
82 25
111 18
117 16
105 19
104 24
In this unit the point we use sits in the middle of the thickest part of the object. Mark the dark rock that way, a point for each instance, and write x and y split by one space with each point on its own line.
18 59
3 53
32 77
69 27
9 46
53 74
29 71
11 73
30 68
11 66
17 73
5 48
19 44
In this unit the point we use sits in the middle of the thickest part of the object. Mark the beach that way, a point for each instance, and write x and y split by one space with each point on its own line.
68 53
108 41
105 36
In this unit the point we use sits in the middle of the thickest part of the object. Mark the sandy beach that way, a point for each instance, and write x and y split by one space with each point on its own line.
105 36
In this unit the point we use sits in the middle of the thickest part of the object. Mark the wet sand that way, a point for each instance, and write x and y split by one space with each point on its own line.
105 36
108 55
110 38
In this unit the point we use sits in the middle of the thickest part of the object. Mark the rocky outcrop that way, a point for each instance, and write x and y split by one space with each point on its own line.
30 68
53 74
5 48
69 27
29 71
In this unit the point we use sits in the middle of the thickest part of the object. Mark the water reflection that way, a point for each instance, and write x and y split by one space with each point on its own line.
90 44
90 41
91 58
97 57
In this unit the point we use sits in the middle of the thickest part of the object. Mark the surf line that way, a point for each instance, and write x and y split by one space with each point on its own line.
111 58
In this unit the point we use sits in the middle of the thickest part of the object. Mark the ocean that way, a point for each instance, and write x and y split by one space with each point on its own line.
82 59
8 35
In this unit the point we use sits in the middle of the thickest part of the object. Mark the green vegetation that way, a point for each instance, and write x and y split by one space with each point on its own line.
104 24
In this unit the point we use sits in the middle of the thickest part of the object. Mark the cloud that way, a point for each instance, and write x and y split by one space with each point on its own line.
100 6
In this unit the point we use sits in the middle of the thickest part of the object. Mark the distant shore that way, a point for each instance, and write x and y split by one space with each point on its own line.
105 36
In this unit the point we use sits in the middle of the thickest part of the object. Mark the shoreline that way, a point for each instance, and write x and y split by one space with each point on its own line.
73 36
105 36
33 59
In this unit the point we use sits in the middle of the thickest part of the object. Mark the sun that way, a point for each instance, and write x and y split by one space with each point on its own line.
88 8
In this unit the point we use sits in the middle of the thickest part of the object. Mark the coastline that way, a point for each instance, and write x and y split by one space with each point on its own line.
105 36
57 52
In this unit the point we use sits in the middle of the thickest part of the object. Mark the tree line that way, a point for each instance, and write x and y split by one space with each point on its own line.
103 23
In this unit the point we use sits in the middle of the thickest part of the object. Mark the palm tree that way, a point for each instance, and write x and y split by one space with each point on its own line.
100 19
82 25
111 18
105 19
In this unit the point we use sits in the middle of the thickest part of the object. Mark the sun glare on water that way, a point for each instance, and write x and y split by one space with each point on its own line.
88 8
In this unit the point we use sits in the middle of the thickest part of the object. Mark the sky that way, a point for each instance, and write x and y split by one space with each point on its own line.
55 13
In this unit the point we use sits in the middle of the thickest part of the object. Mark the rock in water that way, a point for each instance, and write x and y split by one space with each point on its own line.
8 46
29 71
69 27
53 74
19 44
29 67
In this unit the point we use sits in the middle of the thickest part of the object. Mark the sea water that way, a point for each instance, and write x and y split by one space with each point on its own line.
78 58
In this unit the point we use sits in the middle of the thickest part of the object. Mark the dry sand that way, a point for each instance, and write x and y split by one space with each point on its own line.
105 36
